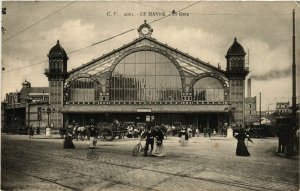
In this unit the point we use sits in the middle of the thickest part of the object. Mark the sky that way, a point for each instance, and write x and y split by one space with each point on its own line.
206 32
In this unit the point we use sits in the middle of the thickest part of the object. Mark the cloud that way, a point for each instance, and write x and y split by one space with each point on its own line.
197 43
273 90
268 63
12 81
73 34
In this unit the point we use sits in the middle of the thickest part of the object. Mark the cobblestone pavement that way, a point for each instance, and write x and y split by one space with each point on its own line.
206 164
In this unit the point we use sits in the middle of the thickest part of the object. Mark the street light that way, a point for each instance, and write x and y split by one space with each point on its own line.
48 111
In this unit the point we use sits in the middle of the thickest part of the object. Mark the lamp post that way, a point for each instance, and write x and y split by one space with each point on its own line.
48 111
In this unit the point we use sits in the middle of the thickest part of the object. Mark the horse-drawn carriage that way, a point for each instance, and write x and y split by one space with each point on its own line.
107 131
110 131
75 131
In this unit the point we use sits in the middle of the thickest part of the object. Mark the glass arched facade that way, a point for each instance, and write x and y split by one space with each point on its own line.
208 89
145 76
83 90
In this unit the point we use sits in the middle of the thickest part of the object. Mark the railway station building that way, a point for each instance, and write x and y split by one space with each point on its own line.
148 79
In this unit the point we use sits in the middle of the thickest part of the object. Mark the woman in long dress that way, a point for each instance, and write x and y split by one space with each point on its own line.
159 142
68 143
241 149
184 137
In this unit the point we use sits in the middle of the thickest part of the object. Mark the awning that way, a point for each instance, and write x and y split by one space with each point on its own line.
118 108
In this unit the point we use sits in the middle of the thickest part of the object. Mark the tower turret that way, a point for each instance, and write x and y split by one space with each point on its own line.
57 74
236 72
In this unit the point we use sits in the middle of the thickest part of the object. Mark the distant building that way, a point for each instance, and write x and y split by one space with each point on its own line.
283 108
250 106
24 108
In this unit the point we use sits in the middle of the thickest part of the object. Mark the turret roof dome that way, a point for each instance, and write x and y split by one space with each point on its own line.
236 49
57 51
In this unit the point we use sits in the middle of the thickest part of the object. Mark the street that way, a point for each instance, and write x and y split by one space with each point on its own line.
41 163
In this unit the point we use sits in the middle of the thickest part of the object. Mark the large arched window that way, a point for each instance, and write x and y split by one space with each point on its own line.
208 89
145 76
83 90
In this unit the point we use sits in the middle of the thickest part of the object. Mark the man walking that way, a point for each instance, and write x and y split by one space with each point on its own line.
93 136
149 135
31 131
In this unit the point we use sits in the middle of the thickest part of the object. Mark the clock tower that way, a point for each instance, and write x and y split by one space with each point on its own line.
236 72
56 74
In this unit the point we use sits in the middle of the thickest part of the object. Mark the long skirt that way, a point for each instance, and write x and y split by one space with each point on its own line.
68 143
159 148
183 142
92 142
241 149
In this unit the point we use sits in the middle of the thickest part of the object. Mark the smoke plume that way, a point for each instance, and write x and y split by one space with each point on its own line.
273 74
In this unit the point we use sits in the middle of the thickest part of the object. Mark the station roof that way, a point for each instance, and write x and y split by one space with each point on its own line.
199 63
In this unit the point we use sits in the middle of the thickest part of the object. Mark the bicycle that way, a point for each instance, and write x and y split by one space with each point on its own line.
138 149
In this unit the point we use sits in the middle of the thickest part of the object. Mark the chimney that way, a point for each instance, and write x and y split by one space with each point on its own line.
249 88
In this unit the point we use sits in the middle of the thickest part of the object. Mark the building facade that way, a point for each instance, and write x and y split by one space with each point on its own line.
283 108
148 78
24 108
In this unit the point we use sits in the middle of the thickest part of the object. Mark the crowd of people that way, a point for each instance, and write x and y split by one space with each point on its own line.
155 135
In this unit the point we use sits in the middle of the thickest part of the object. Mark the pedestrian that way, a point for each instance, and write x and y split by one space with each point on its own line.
290 140
214 132
209 131
93 136
159 135
38 130
68 143
31 131
282 139
149 135
241 149
197 132
205 131
184 137
189 130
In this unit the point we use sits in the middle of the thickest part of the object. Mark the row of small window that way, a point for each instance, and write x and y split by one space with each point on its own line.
282 106
89 95
56 65
39 98
187 98
283 111
236 63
